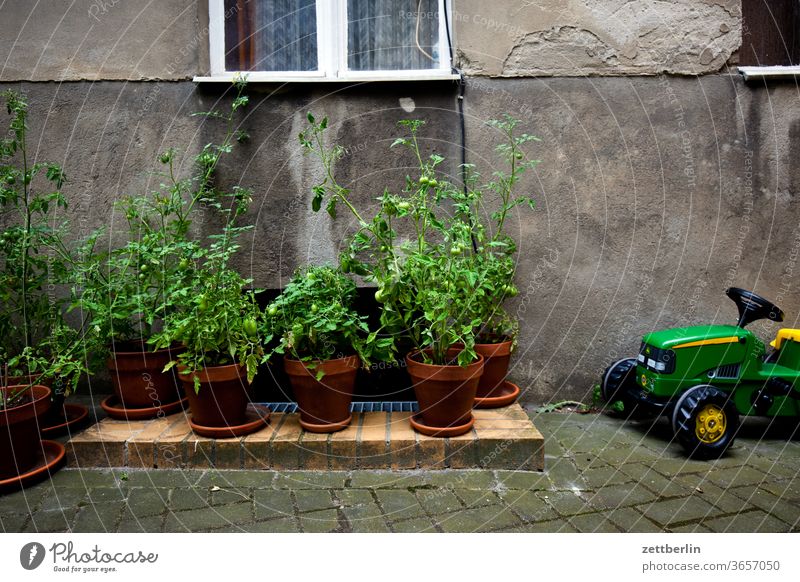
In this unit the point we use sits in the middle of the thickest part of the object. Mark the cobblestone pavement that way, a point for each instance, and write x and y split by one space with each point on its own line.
602 475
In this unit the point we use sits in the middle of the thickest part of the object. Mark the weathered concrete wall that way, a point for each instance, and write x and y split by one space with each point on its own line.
66 40
655 194
519 38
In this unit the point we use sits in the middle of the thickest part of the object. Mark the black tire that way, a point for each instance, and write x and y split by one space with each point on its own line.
719 428
618 378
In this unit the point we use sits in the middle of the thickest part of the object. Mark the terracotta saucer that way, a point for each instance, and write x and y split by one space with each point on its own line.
506 395
51 457
114 410
439 431
329 427
73 415
257 416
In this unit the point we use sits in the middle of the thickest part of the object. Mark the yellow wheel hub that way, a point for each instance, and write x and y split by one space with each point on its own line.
710 424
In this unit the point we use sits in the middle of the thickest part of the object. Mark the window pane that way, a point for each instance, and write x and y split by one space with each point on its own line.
392 35
270 35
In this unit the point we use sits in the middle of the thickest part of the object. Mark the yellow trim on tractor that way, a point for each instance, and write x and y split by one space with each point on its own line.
709 342
785 334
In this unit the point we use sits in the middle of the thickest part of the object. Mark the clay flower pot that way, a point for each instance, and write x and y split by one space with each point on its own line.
445 393
137 377
325 403
222 398
495 367
19 430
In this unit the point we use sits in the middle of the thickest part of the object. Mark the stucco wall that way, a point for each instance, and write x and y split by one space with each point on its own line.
655 191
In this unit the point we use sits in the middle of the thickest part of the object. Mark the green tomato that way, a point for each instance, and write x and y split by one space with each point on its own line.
403 205
250 327
297 330
314 308
272 311
379 295
456 250
184 264
433 183
510 290
144 268
142 276
518 155
203 304
10 179
423 181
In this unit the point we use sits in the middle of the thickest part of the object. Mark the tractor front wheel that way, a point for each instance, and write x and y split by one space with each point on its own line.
618 378
705 421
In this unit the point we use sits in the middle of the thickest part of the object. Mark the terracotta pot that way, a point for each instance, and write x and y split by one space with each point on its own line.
324 404
20 443
445 393
495 367
222 398
138 379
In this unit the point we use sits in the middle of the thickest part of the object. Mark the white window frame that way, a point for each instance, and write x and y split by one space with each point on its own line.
331 52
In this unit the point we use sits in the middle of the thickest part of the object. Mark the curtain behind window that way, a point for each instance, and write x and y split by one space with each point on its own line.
392 34
270 35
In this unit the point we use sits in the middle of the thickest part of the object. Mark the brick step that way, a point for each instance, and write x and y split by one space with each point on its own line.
503 438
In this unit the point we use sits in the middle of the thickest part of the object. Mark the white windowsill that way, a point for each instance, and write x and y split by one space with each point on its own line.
773 72
350 78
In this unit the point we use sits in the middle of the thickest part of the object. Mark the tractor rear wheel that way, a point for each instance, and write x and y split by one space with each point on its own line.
705 421
618 378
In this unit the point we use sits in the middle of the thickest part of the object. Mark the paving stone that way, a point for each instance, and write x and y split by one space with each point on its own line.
478 519
473 498
675 511
615 496
750 522
624 455
98 518
313 499
629 520
13 523
566 502
673 467
593 523
86 478
164 478
193 498
417 525
387 479
282 525
772 468
320 521
689 528
360 523
559 526
476 480
270 503
437 501
226 479
106 495
766 501
725 499
563 474
51 521
523 480
787 490
604 476
736 477
65 498
529 506
23 501
151 524
229 496
310 479
663 486
208 518
146 502
398 504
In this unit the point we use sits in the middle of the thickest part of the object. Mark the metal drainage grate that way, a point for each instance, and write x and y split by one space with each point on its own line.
405 406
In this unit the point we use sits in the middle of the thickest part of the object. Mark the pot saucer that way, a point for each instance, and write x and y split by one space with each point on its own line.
257 416
507 394
440 431
115 411
73 415
50 457
327 427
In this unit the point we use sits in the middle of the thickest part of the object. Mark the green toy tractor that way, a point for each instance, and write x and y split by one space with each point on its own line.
703 377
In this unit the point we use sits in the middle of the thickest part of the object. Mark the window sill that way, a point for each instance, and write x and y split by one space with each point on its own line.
376 76
774 72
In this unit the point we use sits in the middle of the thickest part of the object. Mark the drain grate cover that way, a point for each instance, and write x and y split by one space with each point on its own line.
403 406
